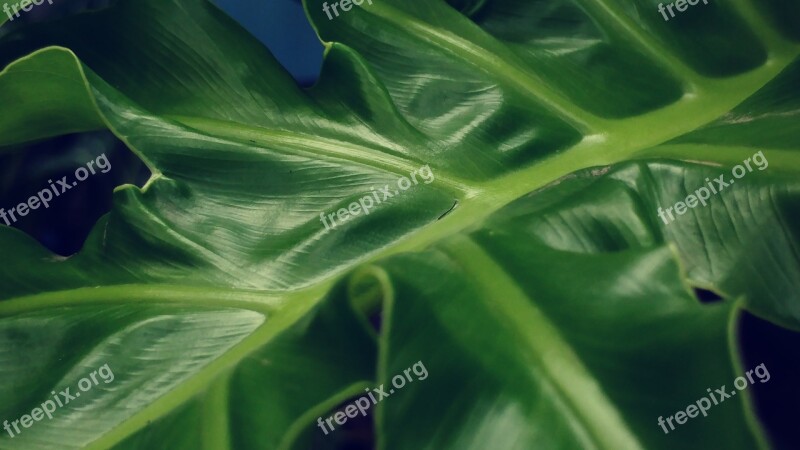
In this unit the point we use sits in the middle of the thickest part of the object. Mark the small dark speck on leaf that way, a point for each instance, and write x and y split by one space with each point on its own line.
449 210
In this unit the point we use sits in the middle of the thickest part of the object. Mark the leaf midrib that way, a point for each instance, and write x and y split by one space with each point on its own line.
566 373
205 296
638 137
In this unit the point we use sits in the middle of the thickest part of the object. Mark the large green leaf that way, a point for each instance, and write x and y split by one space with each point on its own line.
563 318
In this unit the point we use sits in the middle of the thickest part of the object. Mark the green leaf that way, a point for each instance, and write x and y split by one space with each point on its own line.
531 273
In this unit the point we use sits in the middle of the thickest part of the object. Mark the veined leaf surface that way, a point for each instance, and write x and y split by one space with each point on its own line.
533 276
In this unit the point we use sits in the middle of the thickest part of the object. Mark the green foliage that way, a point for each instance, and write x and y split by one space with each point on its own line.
552 307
